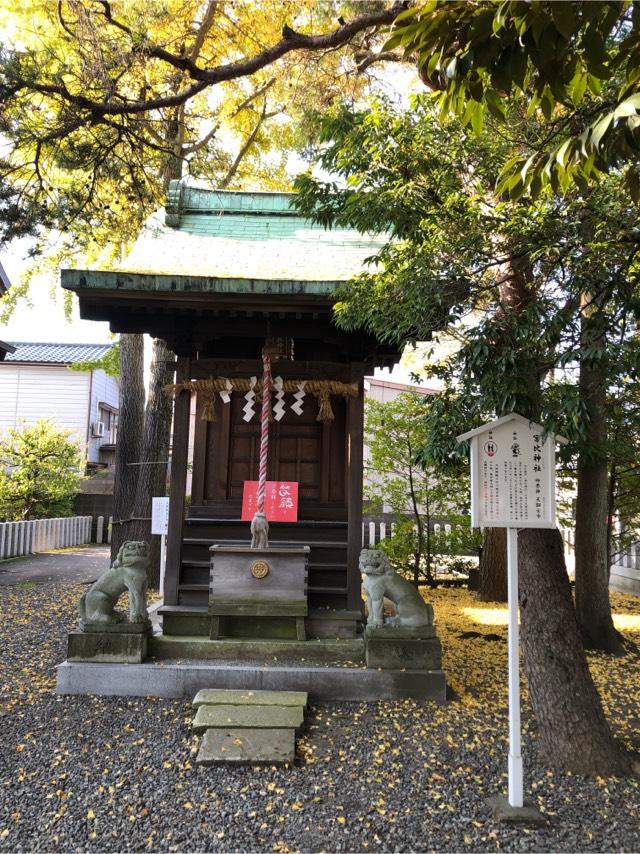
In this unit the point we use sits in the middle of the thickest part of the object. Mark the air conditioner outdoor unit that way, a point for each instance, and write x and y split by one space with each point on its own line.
97 429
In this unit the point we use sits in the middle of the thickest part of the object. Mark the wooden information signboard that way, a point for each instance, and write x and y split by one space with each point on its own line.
512 487
512 475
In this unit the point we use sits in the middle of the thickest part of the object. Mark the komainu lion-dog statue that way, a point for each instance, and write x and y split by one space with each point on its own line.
128 574
380 580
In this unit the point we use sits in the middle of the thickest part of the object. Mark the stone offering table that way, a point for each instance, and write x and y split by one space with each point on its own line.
248 585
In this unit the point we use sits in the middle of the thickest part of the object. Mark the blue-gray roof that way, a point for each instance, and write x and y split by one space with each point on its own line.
55 354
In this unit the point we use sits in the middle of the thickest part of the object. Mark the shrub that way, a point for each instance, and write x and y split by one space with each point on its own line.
40 471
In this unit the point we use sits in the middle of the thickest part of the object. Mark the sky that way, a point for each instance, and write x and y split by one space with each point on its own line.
42 317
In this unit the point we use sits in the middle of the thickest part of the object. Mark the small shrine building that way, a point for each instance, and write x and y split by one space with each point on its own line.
218 276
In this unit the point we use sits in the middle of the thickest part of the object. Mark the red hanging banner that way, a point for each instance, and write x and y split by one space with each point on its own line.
280 500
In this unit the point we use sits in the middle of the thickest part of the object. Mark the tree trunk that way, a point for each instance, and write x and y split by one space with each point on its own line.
572 729
130 429
593 608
493 566
152 473
573 733
416 513
611 510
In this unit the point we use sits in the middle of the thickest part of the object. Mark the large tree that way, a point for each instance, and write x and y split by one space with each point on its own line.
542 261
130 434
577 63
103 105
508 279
98 101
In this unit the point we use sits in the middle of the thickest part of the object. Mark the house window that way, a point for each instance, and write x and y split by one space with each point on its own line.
109 417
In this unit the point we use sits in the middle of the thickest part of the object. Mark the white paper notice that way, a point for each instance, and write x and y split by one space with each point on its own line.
514 477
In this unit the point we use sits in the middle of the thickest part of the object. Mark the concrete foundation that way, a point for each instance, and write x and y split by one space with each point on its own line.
624 579
185 679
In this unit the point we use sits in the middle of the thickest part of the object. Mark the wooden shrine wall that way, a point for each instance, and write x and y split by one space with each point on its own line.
301 448
325 458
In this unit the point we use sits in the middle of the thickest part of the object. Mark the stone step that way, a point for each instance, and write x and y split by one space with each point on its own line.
196 647
247 746
226 697
248 717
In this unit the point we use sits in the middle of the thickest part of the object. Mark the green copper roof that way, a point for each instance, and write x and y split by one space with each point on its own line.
182 199
234 242
119 280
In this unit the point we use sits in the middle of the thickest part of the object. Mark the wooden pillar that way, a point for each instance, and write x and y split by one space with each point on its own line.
179 459
355 431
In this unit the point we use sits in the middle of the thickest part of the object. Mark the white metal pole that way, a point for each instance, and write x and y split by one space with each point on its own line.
515 757
163 560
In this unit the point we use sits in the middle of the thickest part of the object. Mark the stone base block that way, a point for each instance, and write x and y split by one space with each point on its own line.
248 717
328 623
410 632
186 678
123 628
123 647
242 746
268 651
222 697
284 628
191 625
502 811
389 653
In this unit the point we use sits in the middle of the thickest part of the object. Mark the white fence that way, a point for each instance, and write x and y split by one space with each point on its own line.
625 571
39 535
375 532
21 538
103 531
630 559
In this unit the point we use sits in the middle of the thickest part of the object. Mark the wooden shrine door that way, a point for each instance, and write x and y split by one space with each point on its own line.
301 448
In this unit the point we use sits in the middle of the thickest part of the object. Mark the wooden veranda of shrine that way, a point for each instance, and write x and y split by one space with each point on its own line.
222 274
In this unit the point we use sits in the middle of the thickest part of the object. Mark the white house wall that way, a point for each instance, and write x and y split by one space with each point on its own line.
31 392
104 389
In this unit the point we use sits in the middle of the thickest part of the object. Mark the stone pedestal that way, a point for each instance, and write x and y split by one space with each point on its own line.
402 648
126 643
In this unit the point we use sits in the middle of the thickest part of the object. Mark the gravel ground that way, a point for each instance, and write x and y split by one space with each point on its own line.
111 774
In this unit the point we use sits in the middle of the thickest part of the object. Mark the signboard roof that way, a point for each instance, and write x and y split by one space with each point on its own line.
512 416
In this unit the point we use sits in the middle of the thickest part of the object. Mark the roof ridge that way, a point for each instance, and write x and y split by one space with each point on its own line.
61 343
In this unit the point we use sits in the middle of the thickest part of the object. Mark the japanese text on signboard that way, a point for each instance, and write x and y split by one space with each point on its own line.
512 476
